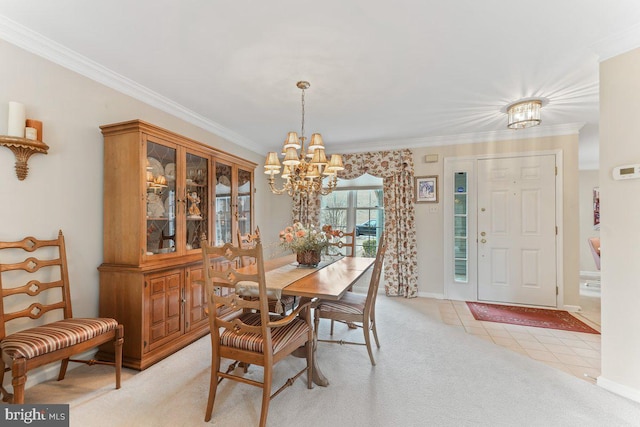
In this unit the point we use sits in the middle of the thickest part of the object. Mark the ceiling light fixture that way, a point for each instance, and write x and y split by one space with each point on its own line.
303 171
524 114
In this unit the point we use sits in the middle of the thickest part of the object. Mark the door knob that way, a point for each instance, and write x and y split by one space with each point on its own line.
483 234
483 241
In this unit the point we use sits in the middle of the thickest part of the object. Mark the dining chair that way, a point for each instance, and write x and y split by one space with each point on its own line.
251 335
249 240
37 326
341 239
355 309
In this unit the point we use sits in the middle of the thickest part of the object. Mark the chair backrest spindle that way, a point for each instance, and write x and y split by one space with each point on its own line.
33 288
342 239
224 273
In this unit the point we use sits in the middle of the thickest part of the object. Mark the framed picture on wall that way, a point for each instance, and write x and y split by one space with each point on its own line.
426 189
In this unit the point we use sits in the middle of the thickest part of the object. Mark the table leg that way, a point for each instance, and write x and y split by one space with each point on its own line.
318 376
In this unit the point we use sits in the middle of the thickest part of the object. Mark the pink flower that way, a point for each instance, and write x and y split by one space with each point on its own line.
288 237
300 233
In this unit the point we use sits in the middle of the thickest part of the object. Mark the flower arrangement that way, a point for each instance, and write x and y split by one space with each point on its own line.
299 238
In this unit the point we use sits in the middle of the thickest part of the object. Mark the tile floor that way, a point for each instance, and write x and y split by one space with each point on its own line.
573 352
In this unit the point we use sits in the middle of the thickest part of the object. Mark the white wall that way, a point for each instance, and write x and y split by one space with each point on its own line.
63 189
620 228
430 225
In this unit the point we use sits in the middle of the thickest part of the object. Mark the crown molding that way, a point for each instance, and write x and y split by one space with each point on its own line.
618 43
468 138
44 47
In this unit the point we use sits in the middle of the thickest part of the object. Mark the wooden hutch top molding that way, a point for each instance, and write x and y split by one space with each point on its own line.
142 126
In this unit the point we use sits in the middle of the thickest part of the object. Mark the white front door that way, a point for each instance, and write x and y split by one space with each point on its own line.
517 230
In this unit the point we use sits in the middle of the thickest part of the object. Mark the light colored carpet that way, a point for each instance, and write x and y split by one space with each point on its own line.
427 374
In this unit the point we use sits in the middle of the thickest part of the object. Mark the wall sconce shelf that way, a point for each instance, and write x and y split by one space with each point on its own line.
23 148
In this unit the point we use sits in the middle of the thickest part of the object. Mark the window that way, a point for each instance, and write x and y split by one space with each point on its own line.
460 235
359 209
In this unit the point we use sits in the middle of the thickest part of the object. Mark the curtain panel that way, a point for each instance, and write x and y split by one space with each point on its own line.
396 169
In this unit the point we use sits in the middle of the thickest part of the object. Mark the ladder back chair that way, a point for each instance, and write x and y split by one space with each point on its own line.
34 282
340 239
355 309
248 241
250 335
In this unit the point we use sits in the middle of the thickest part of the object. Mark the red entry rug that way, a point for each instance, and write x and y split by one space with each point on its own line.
526 316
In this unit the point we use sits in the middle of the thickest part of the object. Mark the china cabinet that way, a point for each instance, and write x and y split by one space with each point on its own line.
163 193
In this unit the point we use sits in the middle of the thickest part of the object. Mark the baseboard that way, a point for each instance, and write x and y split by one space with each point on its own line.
431 295
619 389
589 274
572 308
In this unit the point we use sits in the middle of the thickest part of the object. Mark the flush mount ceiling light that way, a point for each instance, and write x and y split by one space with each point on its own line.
524 114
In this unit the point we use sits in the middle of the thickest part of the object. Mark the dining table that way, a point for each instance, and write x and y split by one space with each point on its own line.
330 280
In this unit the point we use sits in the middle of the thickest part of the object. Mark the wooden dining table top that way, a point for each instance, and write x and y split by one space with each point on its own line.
330 282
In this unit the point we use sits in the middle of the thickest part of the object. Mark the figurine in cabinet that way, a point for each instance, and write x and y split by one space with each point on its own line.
194 210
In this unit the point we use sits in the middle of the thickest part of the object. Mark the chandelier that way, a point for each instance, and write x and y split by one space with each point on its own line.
524 114
304 170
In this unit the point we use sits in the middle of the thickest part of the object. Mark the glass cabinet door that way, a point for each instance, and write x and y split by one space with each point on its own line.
243 202
196 200
223 204
161 198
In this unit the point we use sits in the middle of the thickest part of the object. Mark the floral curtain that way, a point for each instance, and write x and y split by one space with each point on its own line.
396 168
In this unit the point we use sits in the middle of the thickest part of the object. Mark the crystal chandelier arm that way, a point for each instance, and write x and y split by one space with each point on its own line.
333 180
272 186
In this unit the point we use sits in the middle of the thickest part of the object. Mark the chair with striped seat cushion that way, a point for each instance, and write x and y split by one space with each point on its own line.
255 342
43 278
251 335
356 309
54 336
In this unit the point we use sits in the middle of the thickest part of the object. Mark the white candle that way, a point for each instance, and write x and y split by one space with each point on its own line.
17 119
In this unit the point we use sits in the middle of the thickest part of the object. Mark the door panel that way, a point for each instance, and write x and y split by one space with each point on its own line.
516 230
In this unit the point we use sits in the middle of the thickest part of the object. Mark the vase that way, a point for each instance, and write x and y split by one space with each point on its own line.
308 258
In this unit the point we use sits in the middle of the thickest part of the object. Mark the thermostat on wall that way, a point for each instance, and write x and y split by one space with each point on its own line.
626 172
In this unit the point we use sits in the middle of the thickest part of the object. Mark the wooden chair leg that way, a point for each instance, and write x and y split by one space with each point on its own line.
316 323
309 346
331 332
19 378
213 387
367 340
373 328
63 369
266 394
119 341
6 396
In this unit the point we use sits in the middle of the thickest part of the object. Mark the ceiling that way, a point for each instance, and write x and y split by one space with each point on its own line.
406 73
